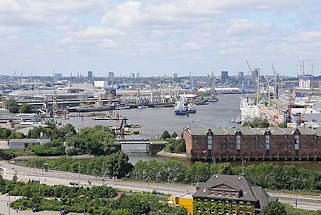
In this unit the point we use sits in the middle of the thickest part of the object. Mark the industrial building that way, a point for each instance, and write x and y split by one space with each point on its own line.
253 143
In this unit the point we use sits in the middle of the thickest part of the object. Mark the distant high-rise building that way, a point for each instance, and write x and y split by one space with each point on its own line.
90 75
136 75
241 75
254 75
58 75
224 75
175 75
111 75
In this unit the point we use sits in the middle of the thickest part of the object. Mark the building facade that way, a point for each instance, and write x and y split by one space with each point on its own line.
253 143
229 194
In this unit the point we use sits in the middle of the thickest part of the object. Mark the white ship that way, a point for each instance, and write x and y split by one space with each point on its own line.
249 109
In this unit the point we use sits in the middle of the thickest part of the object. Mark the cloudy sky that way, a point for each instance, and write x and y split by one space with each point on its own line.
156 37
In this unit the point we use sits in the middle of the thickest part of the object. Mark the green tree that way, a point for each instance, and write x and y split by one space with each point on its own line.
25 108
165 135
12 105
257 123
174 135
274 208
117 165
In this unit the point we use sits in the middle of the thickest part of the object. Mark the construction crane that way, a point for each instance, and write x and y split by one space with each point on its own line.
305 109
275 83
257 78
268 89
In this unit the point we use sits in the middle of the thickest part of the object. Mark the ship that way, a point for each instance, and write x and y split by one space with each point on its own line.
213 98
180 108
249 109
90 108
191 108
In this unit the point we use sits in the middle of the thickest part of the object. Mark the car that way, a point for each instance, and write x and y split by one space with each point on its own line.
63 212
1 169
36 209
101 213
73 183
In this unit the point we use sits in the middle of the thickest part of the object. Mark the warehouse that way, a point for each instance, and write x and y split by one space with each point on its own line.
253 143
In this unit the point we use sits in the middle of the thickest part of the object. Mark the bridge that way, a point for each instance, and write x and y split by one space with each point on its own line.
141 146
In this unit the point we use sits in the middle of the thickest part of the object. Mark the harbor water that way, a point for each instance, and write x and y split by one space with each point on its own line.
156 120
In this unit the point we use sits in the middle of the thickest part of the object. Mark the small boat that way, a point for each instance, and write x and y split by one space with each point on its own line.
202 103
122 107
213 98
101 118
142 106
133 125
191 108
127 131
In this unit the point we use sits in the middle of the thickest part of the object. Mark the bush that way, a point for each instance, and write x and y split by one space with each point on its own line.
175 146
274 208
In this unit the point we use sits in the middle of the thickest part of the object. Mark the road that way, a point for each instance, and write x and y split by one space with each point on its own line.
53 177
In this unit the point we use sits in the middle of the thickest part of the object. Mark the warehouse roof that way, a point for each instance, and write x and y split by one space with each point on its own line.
253 131
235 183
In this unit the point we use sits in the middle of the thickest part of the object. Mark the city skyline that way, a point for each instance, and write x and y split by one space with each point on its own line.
158 37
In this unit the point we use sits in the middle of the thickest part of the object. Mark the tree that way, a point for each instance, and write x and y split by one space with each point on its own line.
274 208
25 108
165 135
117 165
174 135
12 105
257 123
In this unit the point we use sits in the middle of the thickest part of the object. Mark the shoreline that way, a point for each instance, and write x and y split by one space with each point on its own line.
77 157
171 155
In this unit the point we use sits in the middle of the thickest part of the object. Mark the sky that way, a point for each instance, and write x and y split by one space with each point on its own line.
157 37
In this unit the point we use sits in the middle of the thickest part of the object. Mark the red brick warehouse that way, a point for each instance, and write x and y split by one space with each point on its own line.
253 143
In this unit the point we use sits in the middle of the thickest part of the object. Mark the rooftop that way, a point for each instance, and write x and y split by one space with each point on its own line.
235 183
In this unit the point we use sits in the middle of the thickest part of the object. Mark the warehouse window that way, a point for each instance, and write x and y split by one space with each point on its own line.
238 142
297 142
267 142
209 142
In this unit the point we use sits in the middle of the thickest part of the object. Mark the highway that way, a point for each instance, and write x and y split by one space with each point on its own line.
53 177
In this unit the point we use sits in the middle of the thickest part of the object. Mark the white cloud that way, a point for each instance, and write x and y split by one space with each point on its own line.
168 29
191 46
97 32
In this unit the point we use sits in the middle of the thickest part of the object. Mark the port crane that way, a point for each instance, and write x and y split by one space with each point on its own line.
257 78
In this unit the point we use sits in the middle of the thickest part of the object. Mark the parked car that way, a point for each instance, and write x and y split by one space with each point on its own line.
63 212
36 209
73 183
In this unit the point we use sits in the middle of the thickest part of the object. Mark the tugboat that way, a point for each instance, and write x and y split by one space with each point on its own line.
180 108
213 98
191 108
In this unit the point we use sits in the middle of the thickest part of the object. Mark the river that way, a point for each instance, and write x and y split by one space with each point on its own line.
156 120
